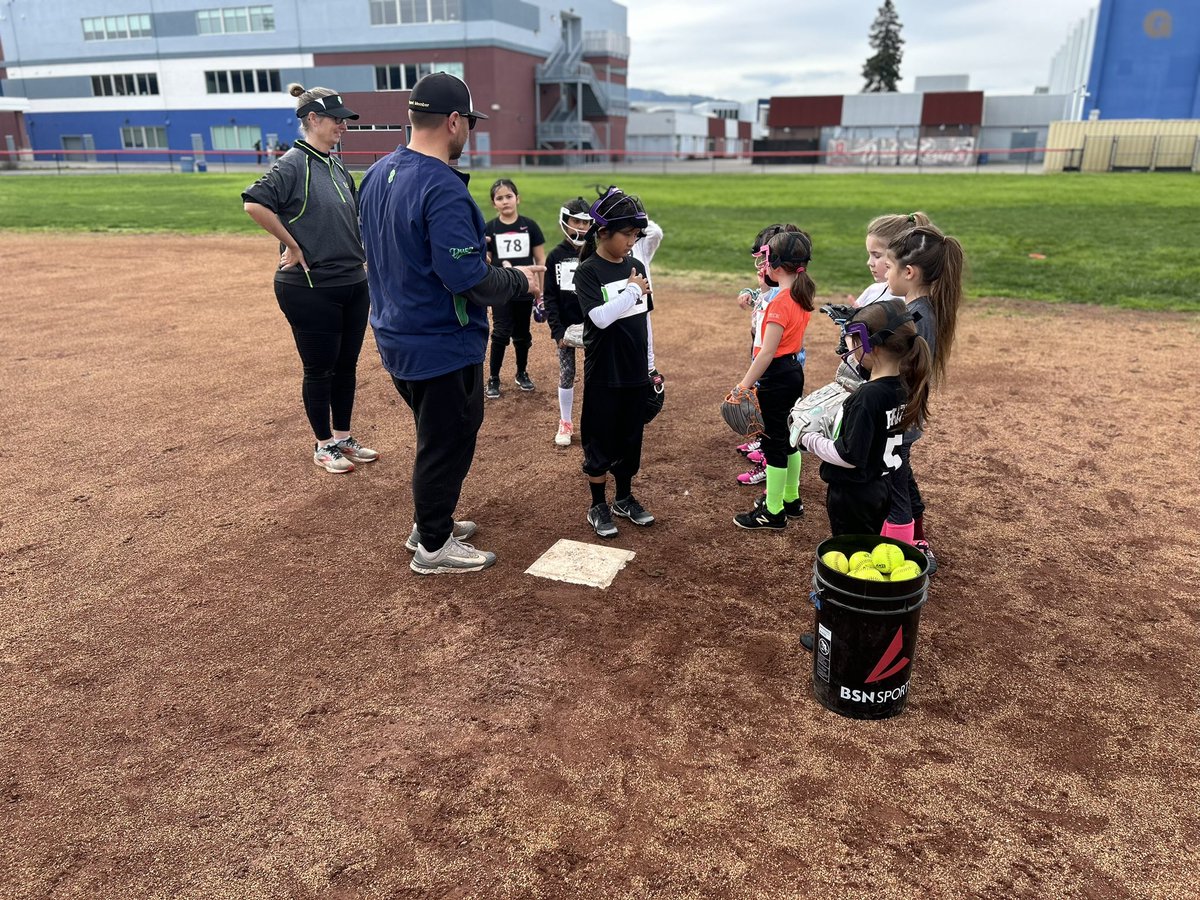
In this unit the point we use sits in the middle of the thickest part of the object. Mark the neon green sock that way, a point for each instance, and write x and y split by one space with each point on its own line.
791 487
776 475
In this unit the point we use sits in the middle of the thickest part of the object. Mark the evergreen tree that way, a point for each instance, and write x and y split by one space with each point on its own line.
882 71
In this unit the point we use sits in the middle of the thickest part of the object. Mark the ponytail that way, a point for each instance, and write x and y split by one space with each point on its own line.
945 293
803 291
589 243
915 372
940 260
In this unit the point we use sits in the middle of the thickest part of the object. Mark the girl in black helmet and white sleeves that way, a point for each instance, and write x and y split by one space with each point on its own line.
618 353
308 201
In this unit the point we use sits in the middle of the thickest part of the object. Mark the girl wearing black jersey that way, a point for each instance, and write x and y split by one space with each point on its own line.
562 306
618 349
512 240
883 344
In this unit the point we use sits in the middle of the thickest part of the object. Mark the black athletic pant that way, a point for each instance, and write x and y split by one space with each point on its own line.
448 411
328 324
856 508
778 390
907 504
510 321
610 429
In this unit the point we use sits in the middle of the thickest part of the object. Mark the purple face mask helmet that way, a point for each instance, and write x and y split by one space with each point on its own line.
897 314
617 211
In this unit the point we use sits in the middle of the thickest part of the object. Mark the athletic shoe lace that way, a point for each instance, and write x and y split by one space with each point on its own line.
333 451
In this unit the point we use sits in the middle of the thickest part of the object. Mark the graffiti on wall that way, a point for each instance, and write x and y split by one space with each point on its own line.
890 151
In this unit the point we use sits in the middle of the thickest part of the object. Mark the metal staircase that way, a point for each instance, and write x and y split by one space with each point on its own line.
581 95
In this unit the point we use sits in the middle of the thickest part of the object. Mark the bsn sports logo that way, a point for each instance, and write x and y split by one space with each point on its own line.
888 665
891 663
873 696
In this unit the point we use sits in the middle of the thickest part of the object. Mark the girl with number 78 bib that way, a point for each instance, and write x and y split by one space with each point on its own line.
512 240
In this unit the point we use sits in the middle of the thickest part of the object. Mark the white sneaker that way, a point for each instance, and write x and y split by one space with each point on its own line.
356 452
563 438
331 459
462 531
455 557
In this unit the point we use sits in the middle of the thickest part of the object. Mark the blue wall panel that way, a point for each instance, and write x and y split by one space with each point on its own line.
47 129
1146 62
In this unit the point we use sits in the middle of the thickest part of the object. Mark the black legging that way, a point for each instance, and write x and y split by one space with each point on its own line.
780 386
510 321
328 324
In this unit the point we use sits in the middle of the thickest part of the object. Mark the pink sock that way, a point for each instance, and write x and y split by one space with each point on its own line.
899 532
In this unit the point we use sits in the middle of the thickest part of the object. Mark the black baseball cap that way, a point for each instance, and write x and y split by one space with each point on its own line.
327 106
442 93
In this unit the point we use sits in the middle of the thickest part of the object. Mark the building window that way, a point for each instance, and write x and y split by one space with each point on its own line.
141 137
412 12
403 77
243 81
117 28
236 137
140 85
235 20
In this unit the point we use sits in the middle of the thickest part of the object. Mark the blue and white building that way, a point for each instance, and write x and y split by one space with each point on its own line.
96 75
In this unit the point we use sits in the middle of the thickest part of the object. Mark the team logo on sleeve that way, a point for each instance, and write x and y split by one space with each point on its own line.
461 252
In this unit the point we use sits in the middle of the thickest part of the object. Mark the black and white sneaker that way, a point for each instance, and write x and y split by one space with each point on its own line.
793 509
524 382
492 391
600 518
930 559
630 509
760 517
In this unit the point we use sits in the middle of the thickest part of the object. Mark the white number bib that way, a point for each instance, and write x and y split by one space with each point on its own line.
513 245
566 274
613 288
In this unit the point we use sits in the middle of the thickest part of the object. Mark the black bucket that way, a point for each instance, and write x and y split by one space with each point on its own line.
865 633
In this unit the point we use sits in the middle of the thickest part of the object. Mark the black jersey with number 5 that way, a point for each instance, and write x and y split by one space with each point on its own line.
869 437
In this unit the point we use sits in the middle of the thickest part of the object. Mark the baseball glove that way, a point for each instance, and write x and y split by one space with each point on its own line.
574 335
741 412
820 412
655 396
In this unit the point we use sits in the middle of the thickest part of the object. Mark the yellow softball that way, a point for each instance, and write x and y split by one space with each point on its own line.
886 557
867 573
860 559
836 560
906 570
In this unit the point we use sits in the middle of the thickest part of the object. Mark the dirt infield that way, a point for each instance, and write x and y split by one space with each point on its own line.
218 677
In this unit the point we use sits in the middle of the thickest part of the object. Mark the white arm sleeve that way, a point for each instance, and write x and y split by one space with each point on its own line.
604 315
823 448
646 247
649 344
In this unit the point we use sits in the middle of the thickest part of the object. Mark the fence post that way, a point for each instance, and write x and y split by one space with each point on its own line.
117 162
1112 153
1154 154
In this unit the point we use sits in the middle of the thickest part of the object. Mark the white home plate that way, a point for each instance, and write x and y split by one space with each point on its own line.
579 563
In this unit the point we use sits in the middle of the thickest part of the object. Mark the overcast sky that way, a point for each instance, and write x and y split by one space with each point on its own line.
746 50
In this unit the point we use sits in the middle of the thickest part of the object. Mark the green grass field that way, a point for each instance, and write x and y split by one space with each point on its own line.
1108 239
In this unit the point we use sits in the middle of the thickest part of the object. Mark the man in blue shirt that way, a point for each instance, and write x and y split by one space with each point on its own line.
430 287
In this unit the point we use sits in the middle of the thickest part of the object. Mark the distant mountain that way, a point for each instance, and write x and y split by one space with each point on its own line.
637 95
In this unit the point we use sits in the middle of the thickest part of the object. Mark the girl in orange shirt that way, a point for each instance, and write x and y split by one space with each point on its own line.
780 376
